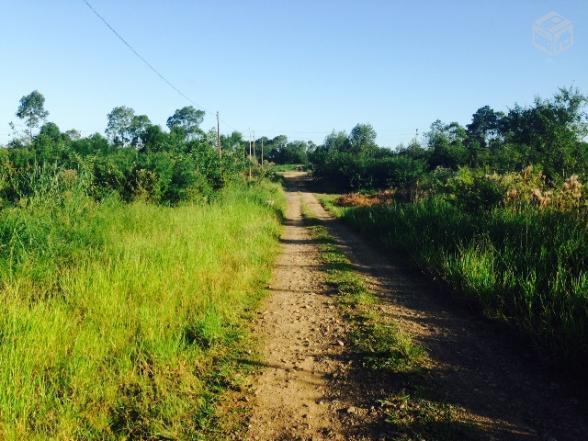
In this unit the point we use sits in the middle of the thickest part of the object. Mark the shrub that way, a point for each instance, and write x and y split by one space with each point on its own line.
474 191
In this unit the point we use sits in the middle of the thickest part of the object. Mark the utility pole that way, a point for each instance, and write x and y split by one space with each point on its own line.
250 142
254 154
218 140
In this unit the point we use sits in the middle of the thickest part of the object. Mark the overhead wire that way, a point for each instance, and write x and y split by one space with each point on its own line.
158 73
138 54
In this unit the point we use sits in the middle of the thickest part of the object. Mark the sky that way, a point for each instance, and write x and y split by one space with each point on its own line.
301 68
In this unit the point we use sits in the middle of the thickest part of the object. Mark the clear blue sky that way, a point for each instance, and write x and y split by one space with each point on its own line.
302 67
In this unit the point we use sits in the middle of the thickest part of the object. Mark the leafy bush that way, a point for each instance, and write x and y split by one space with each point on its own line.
474 190
350 172
188 170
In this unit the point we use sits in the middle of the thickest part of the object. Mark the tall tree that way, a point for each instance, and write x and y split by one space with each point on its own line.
73 134
51 131
138 132
154 139
485 125
187 119
550 132
32 110
279 141
337 142
363 139
446 145
119 127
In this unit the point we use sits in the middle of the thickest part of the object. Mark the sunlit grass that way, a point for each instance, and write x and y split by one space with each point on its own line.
115 316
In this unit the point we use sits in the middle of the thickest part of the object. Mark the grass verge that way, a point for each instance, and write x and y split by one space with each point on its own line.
413 405
124 321
524 267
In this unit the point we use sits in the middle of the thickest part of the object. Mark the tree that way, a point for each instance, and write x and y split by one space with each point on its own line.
154 139
73 134
446 144
550 132
280 140
51 131
485 125
119 127
138 130
188 119
234 141
32 110
363 139
295 152
337 142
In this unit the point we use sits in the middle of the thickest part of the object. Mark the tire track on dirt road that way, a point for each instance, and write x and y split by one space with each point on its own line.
294 395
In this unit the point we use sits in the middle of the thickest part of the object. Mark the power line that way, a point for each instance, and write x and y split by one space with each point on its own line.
144 60
230 126
169 83
137 54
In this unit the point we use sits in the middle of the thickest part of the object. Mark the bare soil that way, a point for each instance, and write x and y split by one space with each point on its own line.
312 387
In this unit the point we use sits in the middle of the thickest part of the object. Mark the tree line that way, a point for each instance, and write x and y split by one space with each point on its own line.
135 159
550 135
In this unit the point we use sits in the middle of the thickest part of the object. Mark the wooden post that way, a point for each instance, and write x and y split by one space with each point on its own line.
218 140
250 155
254 153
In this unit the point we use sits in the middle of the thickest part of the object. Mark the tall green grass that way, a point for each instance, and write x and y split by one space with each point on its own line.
525 266
114 317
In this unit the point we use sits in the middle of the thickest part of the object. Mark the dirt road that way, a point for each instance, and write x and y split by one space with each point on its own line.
312 387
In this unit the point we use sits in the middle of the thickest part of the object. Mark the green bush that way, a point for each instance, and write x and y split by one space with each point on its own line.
348 171
189 170
474 190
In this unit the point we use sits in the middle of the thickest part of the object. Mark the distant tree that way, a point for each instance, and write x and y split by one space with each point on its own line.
32 110
234 141
265 140
485 125
154 139
446 144
120 122
363 139
295 152
138 129
73 134
337 142
414 150
91 145
267 147
550 133
280 140
187 119
51 131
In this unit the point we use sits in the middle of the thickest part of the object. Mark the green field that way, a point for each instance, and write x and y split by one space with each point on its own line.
117 319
